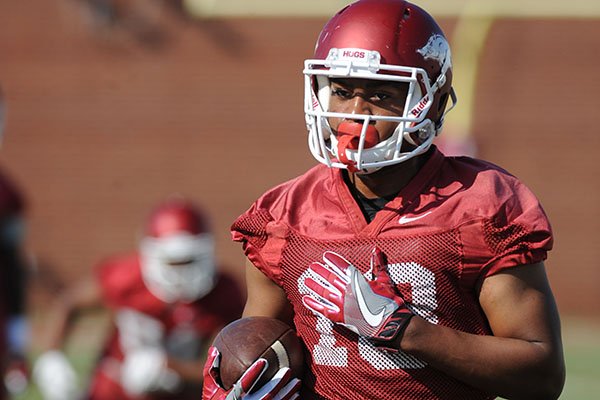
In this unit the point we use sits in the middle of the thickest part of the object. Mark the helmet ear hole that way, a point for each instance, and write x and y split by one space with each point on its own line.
443 102
441 107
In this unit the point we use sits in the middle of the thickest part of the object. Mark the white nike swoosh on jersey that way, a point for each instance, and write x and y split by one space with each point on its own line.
405 220
372 319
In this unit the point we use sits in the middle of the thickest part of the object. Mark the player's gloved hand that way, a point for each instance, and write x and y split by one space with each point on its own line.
372 308
145 370
281 387
16 374
55 377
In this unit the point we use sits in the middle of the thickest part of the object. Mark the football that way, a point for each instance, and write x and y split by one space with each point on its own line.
245 340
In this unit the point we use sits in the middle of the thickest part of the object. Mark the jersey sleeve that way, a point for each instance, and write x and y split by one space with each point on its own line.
262 240
518 233
115 276
103 275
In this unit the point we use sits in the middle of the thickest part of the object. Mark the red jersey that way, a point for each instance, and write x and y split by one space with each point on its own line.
458 221
141 319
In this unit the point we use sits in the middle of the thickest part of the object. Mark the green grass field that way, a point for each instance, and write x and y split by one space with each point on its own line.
581 339
582 353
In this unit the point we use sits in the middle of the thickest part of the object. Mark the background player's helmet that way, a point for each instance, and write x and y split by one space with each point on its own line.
390 40
177 252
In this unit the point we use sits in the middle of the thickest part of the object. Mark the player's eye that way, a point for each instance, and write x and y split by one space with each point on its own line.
341 93
381 96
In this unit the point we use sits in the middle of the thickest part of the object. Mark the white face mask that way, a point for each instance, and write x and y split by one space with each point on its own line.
341 63
178 267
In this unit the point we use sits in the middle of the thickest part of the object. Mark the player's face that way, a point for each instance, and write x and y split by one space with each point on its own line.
368 97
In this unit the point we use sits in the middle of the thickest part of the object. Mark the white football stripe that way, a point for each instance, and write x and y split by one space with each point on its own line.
281 353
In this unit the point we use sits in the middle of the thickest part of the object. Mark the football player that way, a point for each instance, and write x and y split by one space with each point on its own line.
407 274
167 300
14 326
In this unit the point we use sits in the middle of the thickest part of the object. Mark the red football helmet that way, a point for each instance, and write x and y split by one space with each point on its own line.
391 40
177 252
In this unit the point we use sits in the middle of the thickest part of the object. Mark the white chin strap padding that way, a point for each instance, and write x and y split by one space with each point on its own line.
323 91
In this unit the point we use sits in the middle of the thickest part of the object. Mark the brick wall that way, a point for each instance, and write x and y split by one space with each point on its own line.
102 125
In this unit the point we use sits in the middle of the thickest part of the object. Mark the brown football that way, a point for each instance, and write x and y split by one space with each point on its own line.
245 340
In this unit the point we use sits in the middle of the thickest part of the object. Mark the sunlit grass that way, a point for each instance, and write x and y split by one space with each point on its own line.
581 339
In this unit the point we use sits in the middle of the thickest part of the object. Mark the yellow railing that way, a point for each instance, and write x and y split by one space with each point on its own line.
439 8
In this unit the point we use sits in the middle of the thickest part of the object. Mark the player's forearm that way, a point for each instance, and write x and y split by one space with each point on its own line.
59 318
64 311
512 368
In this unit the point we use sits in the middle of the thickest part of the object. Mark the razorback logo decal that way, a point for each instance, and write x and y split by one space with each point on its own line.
437 49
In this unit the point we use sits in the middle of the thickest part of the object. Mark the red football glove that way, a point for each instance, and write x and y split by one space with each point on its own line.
281 387
339 292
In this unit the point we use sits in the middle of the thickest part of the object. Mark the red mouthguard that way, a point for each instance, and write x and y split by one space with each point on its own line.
348 135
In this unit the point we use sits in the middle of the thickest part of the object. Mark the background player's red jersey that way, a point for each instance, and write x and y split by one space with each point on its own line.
440 238
141 319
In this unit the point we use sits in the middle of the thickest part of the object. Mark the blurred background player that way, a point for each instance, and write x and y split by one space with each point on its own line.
13 271
166 300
